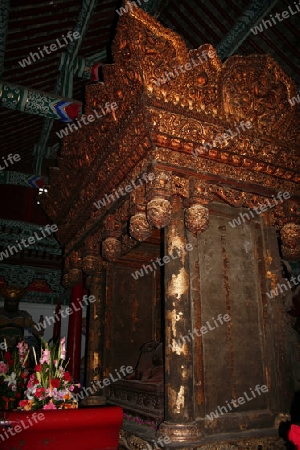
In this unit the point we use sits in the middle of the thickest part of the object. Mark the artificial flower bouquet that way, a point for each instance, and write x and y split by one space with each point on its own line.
14 373
50 385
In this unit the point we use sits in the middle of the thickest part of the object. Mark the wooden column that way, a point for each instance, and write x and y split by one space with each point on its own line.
74 332
179 409
95 337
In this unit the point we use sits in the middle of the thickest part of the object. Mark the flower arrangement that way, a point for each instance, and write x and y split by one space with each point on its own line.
50 385
14 373
294 435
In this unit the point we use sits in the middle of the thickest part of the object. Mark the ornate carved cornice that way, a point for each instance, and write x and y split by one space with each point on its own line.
175 129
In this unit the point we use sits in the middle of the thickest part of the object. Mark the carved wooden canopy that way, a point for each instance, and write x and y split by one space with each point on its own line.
174 106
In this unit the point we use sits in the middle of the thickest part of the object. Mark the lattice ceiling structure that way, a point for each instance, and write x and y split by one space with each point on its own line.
30 121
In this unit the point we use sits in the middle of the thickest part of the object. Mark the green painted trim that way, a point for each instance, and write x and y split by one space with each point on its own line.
22 179
23 276
23 230
4 15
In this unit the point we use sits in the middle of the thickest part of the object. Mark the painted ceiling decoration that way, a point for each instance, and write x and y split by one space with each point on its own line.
24 276
22 179
12 231
256 11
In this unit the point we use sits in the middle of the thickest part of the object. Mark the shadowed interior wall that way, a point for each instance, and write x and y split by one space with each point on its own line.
133 314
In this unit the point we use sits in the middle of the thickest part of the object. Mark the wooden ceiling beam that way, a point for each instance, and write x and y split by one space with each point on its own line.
242 28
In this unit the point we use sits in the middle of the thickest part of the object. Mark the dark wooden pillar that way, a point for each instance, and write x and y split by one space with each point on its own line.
74 331
179 401
95 338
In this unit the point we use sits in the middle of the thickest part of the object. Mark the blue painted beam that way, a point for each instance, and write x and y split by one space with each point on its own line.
255 12
22 179
64 81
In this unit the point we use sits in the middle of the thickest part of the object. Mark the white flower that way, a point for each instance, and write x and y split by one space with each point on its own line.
11 379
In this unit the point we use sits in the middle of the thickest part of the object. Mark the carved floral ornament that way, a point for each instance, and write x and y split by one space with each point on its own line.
165 123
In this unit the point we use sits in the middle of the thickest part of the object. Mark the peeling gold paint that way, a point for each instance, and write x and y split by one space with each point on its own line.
179 350
95 360
184 373
180 400
273 278
177 246
175 317
269 258
179 284
176 399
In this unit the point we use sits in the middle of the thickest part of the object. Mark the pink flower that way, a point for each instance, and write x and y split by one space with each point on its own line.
22 347
50 405
45 357
3 367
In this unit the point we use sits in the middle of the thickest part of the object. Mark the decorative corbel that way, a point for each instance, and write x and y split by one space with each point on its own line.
111 246
139 227
91 261
75 271
159 191
290 230
290 237
66 281
197 215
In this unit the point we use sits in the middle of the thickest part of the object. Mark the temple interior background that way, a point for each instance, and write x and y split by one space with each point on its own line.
154 204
